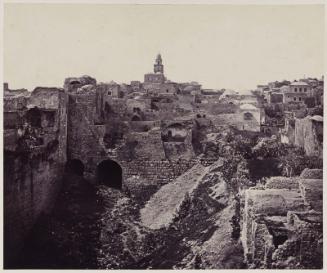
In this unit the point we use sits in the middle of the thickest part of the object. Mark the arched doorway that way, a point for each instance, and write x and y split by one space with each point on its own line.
248 116
136 118
75 166
109 173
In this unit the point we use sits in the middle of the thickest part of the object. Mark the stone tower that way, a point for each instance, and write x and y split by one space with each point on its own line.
158 66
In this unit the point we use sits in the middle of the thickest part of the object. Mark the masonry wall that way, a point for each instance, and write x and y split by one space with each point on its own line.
32 171
306 136
31 184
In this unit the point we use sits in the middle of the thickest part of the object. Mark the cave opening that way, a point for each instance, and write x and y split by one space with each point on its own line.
109 173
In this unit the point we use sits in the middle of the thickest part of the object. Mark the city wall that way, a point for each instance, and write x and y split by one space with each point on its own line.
34 158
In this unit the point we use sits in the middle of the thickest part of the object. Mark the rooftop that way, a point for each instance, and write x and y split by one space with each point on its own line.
299 83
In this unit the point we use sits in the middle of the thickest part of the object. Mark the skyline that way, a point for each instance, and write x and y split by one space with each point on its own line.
233 47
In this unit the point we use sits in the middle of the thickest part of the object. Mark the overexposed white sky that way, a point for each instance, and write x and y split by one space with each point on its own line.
220 46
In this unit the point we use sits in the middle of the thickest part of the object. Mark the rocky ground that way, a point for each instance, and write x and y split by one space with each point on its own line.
193 222
105 228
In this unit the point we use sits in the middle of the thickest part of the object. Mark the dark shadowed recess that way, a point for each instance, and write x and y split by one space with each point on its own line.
109 173
74 166
260 168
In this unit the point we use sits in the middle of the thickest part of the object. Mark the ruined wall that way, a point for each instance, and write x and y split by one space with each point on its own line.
177 139
139 153
33 164
308 135
282 223
84 136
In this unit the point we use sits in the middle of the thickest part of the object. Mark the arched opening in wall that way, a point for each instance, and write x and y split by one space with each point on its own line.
231 103
248 116
174 133
136 118
109 173
75 82
33 117
75 166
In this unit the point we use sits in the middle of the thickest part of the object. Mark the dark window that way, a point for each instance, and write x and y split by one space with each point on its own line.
294 99
295 89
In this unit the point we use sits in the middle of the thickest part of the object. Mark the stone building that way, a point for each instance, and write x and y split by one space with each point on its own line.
275 97
136 86
296 92
153 81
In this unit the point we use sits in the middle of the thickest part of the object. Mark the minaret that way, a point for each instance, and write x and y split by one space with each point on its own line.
158 66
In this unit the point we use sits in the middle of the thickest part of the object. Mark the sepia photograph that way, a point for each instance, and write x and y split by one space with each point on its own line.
163 136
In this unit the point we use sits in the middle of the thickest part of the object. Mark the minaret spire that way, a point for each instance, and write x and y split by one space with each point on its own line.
158 66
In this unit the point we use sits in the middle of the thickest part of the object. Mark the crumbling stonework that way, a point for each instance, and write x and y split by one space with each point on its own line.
308 134
155 133
34 157
282 225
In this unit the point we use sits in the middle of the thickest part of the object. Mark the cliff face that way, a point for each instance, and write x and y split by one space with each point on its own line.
282 225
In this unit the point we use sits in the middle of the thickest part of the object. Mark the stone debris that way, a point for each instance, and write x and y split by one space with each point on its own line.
282 225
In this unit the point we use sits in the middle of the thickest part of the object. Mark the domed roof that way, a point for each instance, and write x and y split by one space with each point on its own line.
247 106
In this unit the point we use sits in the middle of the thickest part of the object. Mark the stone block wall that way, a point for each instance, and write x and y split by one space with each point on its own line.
307 136
32 168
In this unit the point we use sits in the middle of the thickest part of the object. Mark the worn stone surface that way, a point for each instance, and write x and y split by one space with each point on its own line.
281 220
155 131
308 134
162 207
34 158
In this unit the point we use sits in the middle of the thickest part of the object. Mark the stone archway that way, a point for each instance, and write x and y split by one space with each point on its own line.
75 166
109 173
